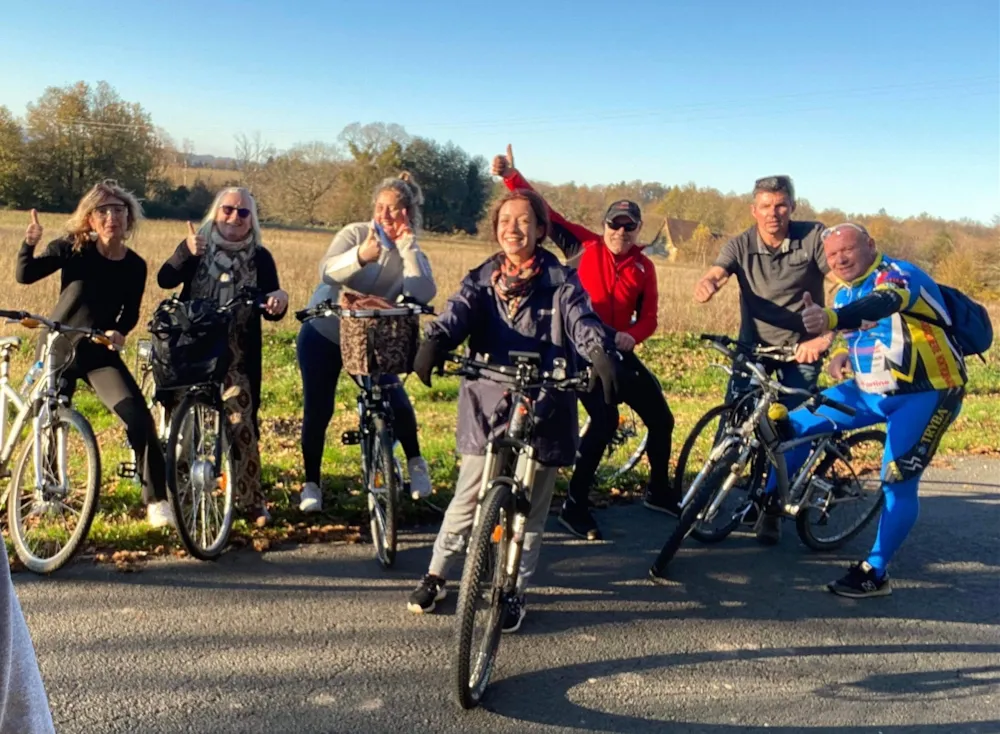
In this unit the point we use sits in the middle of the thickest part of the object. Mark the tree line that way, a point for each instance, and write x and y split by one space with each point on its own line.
73 136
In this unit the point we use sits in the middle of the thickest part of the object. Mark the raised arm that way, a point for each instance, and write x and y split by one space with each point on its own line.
418 281
179 269
569 237
30 269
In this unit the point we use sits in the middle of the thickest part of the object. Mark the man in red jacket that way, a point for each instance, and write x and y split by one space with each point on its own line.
621 282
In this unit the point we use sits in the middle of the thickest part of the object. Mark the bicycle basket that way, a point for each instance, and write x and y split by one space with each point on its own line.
190 343
384 345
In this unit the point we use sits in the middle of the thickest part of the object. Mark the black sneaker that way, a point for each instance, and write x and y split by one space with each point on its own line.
580 523
659 502
861 582
426 596
514 612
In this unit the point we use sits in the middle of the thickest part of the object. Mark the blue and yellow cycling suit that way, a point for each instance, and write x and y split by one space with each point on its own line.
908 375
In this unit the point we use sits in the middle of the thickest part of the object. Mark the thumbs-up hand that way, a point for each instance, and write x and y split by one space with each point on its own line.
195 241
33 234
503 166
814 318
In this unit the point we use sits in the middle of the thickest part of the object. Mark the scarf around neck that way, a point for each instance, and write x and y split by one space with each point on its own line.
514 283
228 266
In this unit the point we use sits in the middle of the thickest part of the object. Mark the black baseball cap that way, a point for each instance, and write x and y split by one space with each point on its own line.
624 208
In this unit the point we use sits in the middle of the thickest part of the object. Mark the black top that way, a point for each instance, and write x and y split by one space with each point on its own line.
180 270
96 292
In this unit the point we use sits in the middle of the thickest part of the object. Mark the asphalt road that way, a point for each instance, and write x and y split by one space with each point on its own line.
317 639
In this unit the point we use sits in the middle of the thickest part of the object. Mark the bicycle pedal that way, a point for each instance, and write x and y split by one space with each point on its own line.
350 438
127 470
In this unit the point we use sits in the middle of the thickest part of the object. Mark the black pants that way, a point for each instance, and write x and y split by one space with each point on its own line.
320 364
104 371
639 390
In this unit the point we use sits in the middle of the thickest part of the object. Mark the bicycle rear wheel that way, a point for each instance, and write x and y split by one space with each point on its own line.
625 449
844 496
50 518
480 609
383 485
200 476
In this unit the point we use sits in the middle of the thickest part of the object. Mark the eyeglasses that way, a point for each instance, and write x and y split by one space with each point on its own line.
627 226
240 211
110 210
849 225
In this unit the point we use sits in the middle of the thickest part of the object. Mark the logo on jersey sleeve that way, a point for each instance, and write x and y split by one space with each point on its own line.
893 277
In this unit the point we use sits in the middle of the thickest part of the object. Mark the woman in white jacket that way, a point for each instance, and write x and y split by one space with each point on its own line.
362 261
24 707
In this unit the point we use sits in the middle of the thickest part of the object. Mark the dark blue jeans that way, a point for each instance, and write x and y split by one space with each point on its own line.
320 365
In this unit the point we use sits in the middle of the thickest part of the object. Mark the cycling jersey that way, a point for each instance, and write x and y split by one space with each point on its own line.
891 351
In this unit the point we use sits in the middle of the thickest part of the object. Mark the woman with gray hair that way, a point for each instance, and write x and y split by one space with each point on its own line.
375 258
103 281
219 258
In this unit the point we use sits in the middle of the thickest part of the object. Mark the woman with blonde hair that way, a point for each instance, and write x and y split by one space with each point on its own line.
382 258
223 255
103 281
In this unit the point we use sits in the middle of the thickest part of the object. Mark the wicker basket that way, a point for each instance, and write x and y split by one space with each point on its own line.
383 345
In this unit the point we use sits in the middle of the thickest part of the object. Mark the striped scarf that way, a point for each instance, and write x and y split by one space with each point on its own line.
514 283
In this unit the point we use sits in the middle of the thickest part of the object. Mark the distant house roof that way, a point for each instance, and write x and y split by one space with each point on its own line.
673 233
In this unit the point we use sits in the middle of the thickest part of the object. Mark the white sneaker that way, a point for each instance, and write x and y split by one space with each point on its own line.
159 514
420 478
311 498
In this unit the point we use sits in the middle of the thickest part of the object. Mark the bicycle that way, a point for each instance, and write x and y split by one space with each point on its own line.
708 429
822 490
625 449
62 441
198 452
143 370
381 473
492 565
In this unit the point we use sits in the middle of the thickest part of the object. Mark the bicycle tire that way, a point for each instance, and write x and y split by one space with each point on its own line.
37 564
611 467
221 468
715 475
383 507
495 510
804 527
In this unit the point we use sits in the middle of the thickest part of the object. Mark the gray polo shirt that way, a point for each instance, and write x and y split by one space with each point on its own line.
773 281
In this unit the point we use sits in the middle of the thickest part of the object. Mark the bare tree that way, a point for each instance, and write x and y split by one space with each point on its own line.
252 154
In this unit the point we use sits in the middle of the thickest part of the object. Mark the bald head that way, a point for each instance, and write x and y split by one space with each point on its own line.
849 250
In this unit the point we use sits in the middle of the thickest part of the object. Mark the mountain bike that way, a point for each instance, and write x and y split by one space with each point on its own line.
198 449
53 494
381 473
492 564
832 497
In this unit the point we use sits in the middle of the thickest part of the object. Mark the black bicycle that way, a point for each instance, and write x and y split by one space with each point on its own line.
190 358
491 568
381 473
835 493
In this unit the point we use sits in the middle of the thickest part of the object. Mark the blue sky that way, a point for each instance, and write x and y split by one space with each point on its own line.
885 103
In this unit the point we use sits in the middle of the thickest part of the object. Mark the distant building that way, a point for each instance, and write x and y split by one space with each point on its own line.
672 235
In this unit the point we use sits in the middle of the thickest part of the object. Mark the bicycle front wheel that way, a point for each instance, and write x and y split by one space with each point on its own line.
200 476
480 608
384 484
54 492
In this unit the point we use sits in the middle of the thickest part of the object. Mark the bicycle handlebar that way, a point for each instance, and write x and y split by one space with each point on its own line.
777 354
525 375
33 321
329 308
740 362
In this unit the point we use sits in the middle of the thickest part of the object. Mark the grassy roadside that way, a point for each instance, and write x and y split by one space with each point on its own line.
120 532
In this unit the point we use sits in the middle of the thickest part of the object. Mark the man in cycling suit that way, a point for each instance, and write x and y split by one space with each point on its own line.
907 374
621 283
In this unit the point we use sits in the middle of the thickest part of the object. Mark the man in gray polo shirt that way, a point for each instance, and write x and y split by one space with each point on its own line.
776 262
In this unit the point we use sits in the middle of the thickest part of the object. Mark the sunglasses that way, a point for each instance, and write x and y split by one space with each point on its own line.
849 225
228 211
627 226
110 210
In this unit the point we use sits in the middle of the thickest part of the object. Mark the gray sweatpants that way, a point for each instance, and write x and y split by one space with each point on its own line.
453 536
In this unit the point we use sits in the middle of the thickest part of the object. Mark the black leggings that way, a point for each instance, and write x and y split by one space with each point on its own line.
104 371
320 365
640 391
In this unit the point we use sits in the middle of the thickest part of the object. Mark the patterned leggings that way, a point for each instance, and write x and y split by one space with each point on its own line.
238 404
